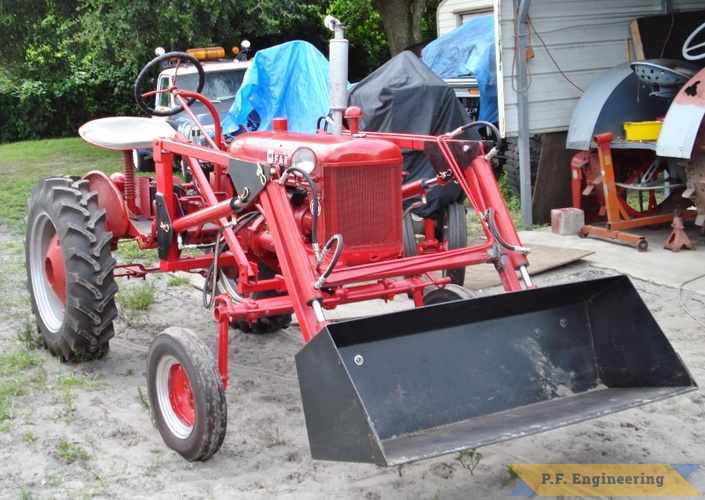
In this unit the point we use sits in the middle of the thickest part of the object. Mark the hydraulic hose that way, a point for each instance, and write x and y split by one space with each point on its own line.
212 274
495 232
338 238
314 209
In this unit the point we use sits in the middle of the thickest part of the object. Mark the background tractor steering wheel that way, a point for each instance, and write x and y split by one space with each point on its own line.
143 77
694 52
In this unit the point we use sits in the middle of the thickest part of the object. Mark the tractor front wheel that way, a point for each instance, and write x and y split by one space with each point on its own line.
70 268
448 293
186 394
455 235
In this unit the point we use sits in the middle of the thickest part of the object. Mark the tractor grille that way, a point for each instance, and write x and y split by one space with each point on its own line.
363 203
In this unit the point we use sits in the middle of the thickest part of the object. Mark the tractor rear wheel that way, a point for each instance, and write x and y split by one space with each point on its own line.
186 394
70 268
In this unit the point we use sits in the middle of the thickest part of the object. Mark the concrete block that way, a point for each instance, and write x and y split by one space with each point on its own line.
567 220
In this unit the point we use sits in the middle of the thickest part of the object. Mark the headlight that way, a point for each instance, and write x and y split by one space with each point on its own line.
305 159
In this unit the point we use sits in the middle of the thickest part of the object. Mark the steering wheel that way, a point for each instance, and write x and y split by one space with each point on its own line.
142 78
694 52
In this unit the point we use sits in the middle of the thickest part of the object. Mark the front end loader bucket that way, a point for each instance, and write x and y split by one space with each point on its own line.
440 379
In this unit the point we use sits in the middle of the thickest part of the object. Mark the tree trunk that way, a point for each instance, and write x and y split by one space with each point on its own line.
402 22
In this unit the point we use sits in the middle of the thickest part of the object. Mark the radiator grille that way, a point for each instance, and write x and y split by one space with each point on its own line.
363 203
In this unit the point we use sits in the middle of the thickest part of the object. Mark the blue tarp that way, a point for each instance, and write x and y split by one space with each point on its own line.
288 80
469 50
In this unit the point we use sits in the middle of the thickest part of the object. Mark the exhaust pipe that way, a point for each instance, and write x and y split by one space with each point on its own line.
338 86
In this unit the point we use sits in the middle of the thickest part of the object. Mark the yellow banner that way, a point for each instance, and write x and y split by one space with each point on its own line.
659 480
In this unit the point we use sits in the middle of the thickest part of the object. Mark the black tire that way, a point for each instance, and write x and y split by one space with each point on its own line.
142 163
266 324
454 231
70 268
409 236
448 293
511 162
186 394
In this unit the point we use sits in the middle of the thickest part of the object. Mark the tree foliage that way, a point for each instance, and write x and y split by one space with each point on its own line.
68 61
368 47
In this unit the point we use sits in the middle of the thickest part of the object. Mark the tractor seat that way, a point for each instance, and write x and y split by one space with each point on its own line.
666 76
123 133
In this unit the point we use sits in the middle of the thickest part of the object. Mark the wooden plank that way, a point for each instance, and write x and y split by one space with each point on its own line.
636 40
553 182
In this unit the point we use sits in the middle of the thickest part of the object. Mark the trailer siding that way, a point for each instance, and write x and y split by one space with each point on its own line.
584 38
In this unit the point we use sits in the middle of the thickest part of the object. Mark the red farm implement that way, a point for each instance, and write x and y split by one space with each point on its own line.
294 223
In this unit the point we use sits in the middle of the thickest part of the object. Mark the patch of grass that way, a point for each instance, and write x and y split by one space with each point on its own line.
128 252
64 385
69 408
137 296
13 362
512 201
23 163
28 437
69 381
10 388
513 205
29 337
179 280
72 453
52 481
15 377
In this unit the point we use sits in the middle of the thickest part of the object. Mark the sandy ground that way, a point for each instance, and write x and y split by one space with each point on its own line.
83 431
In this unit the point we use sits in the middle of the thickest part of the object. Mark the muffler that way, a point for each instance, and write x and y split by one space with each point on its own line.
440 379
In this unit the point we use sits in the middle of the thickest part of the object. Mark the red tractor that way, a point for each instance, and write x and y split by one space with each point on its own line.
293 223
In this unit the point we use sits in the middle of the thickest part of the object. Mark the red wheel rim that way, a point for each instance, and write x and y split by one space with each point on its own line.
54 269
180 395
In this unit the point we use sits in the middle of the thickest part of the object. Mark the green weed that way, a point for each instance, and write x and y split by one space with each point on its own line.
29 336
128 252
28 437
179 280
144 403
511 476
137 296
70 380
470 459
10 388
72 453
13 362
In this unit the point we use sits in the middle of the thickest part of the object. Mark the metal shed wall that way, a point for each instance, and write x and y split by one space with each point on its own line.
585 38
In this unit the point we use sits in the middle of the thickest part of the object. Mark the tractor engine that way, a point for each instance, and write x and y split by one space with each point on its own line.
357 181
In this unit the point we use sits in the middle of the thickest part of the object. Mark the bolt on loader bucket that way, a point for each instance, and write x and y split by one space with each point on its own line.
444 378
